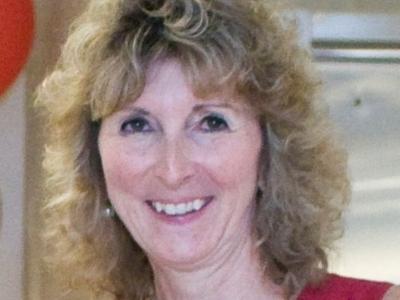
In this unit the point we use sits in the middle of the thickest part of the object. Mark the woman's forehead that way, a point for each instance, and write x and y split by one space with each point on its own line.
171 76
172 73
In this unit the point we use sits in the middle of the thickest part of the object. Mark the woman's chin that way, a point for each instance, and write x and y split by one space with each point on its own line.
183 240
182 256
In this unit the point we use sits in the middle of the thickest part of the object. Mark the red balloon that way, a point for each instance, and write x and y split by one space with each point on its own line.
16 37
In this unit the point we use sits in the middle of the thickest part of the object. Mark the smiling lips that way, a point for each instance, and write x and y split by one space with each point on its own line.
179 209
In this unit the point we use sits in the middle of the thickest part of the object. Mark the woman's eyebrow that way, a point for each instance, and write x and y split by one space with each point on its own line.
202 106
196 108
138 110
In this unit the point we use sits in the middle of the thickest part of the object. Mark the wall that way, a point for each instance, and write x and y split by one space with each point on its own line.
354 6
12 140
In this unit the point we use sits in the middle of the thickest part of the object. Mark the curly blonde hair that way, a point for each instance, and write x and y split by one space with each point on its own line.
241 44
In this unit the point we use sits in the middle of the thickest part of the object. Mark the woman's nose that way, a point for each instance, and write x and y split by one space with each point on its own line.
174 166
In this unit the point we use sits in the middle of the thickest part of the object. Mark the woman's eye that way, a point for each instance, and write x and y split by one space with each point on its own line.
136 125
213 124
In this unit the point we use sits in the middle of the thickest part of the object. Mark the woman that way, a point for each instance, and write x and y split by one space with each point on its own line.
188 157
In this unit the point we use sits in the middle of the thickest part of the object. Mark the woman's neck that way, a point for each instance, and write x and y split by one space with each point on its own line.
237 273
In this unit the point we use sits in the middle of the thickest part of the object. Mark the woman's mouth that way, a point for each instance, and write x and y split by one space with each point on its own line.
179 209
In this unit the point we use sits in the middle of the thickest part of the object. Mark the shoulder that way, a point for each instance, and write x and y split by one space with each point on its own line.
339 287
393 293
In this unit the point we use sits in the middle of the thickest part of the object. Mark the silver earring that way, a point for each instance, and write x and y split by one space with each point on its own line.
109 212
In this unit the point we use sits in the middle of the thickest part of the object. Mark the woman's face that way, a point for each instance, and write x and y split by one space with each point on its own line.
181 172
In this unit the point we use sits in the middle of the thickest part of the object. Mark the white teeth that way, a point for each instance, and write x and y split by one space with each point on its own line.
178 209
189 206
158 206
197 204
170 209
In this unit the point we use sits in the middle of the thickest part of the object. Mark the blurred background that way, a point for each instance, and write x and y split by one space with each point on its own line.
356 48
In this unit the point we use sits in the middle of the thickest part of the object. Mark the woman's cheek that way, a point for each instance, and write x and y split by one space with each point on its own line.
122 170
231 158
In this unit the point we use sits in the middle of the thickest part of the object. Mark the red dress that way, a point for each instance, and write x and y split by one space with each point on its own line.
342 288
